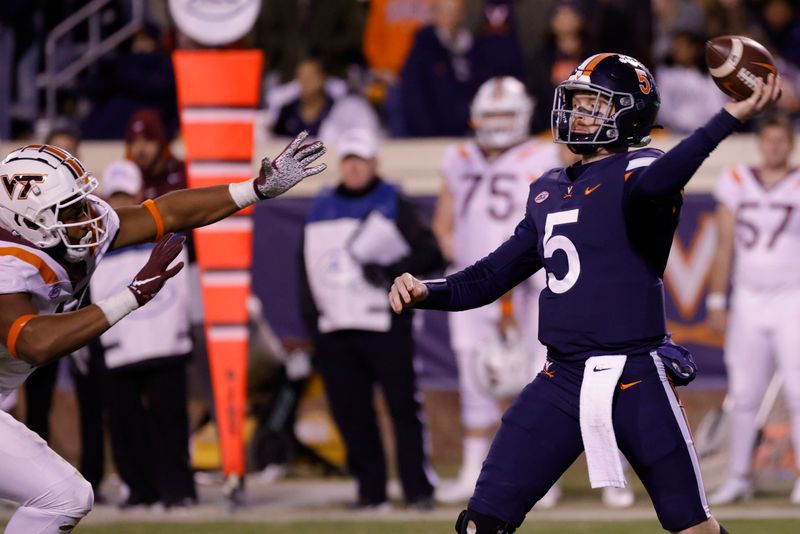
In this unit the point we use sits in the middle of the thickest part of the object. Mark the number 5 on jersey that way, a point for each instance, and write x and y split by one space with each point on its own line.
552 243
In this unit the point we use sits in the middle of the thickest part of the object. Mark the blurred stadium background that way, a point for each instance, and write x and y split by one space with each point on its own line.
86 65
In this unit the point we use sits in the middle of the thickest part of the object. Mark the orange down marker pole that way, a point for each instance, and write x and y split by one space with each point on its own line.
218 91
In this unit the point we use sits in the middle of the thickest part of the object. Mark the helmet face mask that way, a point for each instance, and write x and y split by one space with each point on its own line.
42 184
623 109
501 113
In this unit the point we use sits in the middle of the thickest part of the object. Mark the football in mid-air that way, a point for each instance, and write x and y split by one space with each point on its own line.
735 62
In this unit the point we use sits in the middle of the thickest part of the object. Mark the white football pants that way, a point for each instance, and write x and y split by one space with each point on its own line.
763 333
51 493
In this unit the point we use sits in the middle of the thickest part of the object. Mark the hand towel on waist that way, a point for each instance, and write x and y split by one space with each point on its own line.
600 378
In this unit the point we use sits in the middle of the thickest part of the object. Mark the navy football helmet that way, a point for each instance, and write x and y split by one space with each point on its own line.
615 79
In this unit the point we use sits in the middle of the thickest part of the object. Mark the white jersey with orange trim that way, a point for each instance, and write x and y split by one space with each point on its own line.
52 285
767 242
489 198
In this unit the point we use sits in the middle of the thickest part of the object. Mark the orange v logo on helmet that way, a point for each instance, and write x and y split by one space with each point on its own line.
28 181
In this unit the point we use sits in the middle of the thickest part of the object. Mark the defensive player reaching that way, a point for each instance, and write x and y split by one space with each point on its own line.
758 216
486 181
602 230
53 232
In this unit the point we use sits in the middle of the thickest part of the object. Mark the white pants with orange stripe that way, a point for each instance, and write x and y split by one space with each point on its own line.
51 493
763 334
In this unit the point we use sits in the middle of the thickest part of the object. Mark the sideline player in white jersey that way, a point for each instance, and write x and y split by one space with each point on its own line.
53 232
486 182
758 216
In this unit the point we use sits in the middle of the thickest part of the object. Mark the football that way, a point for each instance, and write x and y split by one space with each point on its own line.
735 62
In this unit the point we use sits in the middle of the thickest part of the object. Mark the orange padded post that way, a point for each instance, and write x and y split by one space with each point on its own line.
218 91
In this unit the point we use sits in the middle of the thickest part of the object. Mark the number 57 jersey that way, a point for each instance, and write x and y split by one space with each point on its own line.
489 196
767 237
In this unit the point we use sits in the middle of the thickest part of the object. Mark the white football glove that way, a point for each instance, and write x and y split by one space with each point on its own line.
289 168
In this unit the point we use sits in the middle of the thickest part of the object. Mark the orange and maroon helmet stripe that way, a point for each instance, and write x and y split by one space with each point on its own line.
75 166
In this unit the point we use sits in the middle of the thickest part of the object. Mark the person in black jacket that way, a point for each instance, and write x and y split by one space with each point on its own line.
347 260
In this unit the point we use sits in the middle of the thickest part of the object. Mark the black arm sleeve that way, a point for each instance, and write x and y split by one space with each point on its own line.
425 255
308 308
489 278
671 172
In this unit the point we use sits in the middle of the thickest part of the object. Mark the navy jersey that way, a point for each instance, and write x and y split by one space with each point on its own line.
602 231
604 251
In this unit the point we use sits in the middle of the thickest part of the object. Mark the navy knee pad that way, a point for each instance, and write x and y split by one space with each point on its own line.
472 522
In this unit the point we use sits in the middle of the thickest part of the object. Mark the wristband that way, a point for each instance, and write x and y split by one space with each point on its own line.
244 193
716 301
13 333
157 219
118 305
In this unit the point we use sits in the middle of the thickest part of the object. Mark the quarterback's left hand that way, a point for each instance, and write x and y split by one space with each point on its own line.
290 167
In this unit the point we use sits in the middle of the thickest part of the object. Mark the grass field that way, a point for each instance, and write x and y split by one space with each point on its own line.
632 527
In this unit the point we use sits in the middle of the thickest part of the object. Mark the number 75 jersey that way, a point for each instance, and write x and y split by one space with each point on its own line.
767 234
489 197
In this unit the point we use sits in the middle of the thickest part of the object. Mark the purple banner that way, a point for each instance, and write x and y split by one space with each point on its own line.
279 225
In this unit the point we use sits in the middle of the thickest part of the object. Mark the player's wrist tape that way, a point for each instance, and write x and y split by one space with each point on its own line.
716 301
118 305
244 193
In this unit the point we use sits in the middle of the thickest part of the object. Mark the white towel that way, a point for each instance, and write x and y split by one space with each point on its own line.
600 378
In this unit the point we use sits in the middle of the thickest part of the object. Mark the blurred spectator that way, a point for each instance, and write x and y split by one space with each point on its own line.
146 355
608 16
496 42
316 111
290 30
725 17
781 29
438 79
65 138
566 45
531 26
140 76
790 85
689 96
388 36
358 236
147 145
671 16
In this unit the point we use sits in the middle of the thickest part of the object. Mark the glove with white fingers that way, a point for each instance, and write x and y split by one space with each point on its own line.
289 168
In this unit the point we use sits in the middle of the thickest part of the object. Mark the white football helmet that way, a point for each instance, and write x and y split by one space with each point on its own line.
39 181
503 367
501 113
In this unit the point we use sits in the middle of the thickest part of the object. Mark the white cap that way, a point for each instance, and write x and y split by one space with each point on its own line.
360 142
122 176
